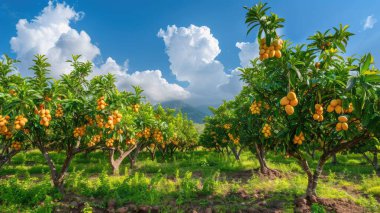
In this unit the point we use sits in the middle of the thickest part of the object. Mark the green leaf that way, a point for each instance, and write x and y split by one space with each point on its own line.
341 47
297 72
366 63
372 78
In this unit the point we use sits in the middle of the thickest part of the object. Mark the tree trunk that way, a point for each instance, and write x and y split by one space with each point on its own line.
235 152
115 163
57 177
311 184
163 153
133 157
334 160
65 167
132 162
3 161
312 178
7 157
260 154
152 154
115 169
311 189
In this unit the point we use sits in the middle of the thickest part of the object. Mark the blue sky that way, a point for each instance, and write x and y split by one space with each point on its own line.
127 30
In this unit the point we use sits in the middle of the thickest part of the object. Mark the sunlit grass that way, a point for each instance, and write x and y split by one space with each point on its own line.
186 178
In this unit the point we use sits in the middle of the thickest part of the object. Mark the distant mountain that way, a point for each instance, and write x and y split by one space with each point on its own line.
194 113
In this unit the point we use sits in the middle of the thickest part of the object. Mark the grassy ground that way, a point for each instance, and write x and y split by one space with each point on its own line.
194 180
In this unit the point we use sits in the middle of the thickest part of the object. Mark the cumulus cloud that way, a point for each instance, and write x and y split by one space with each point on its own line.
248 51
233 85
156 87
192 55
369 22
50 33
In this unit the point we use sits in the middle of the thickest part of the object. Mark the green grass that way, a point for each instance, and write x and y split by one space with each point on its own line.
186 180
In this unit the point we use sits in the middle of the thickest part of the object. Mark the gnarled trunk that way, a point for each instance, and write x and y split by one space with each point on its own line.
115 168
312 179
115 163
260 155
57 177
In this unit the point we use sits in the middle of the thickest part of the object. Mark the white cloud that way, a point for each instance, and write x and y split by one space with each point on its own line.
156 88
234 84
50 33
248 51
369 22
192 54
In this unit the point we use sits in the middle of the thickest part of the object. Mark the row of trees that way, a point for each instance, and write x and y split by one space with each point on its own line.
75 114
312 98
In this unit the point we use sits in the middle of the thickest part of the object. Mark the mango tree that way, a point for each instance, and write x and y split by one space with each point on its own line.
144 122
322 100
58 113
180 133
114 123
161 131
258 125
185 135
12 118
221 131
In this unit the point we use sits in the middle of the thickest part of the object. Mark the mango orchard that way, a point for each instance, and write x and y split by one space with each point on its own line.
88 115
